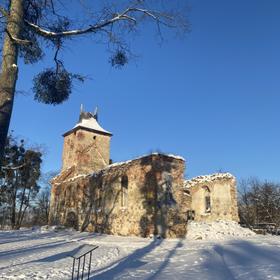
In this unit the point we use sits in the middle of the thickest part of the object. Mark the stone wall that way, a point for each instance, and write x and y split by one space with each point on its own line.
140 197
89 149
213 197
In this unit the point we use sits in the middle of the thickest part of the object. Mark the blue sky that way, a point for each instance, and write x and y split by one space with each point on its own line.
212 97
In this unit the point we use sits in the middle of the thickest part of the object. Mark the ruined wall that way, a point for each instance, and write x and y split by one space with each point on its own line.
140 197
90 151
221 192
66 201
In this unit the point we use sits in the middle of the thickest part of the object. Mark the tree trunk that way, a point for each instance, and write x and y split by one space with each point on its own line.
25 208
9 69
13 214
18 221
13 202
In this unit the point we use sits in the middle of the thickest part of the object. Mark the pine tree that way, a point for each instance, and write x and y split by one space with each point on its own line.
18 180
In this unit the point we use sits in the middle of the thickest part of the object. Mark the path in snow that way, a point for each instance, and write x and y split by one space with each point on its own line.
30 254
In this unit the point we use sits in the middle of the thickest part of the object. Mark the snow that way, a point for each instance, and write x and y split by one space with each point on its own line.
44 254
113 165
107 168
207 179
137 158
169 155
71 178
70 168
217 230
91 123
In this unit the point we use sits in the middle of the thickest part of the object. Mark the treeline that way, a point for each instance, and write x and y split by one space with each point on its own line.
259 202
24 191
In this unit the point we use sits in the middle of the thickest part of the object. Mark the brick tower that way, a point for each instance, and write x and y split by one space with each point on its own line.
86 145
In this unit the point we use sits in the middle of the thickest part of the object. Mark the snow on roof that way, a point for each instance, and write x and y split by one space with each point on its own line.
64 172
104 170
152 154
207 179
91 123
71 179
122 163
167 155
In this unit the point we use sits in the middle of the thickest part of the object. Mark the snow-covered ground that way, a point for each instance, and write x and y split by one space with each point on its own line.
217 230
37 254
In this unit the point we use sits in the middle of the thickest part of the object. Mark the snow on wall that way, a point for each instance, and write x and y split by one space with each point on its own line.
73 176
144 156
207 179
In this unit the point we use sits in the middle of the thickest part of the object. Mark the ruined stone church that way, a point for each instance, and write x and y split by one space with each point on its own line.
144 196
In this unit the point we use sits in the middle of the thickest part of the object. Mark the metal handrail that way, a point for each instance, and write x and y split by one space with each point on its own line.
81 255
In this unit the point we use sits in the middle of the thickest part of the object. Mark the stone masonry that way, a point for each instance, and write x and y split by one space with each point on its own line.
86 144
213 197
145 196
140 197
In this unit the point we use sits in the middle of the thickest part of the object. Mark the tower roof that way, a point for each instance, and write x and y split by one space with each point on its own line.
88 121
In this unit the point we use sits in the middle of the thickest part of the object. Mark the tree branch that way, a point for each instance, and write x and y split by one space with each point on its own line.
124 16
13 168
17 40
4 12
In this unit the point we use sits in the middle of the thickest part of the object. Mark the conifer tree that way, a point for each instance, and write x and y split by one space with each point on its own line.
18 180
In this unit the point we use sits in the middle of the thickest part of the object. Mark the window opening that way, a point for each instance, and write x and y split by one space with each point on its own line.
207 204
124 190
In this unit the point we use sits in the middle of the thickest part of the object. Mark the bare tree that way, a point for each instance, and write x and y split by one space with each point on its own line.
259 202
29 26
41 206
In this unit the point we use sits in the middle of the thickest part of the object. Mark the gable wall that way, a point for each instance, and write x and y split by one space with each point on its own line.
223 200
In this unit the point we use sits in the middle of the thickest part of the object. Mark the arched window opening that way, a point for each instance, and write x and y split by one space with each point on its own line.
207 200
124 190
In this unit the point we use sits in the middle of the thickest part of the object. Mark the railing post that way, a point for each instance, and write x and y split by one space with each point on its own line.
89 265
83 266
78 257
78 268
73 269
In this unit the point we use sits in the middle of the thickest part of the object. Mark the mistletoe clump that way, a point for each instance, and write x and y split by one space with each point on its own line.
52 86
119 59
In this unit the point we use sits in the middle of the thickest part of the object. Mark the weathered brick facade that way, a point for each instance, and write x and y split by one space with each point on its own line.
144 196
140 197
87 148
